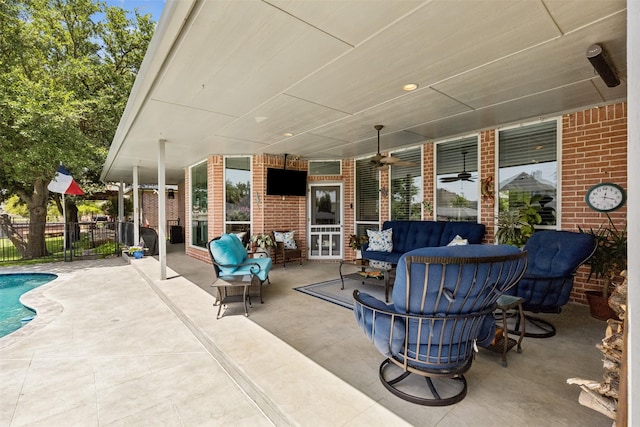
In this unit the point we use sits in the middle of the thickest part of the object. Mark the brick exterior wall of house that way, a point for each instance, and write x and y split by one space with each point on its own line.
593 150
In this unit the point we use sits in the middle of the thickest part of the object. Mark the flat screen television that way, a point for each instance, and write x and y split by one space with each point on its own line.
286 182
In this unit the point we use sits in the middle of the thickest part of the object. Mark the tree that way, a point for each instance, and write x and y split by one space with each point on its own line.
66 69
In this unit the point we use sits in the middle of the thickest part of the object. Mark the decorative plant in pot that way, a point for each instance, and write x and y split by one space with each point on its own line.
262 241
607 262
356 243
517 225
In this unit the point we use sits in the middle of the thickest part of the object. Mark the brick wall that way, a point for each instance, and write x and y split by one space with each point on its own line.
593 150
488 181
149 201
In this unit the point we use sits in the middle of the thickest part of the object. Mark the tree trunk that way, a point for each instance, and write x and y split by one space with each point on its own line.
12 234
37 205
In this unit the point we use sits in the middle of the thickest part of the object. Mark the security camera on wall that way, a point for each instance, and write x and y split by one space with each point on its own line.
600 62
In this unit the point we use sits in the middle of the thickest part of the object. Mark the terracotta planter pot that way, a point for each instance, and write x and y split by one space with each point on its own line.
599 306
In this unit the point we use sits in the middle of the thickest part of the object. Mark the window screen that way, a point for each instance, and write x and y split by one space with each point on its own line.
528 172
367 198
457 180
406 186
199 203
329 167
237 189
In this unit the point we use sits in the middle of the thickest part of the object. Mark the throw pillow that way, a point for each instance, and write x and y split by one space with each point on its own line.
286 237
380 264
458 241
380 241
226 251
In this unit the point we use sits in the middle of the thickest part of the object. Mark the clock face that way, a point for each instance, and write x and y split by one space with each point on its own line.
605 197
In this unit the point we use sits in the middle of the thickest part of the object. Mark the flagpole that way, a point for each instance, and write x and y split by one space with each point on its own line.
64 230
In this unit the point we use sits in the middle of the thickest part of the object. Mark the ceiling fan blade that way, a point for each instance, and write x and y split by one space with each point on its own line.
389 160
449 179
377 158
468 179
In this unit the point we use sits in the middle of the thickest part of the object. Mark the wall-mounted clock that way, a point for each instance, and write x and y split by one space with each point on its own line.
605 197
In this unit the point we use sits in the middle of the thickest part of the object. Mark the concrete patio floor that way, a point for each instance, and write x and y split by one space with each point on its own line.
114 345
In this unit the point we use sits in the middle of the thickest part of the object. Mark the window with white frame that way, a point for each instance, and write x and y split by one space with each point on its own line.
528 169
367 197
324 167
237 191
406 185
457 180
199 204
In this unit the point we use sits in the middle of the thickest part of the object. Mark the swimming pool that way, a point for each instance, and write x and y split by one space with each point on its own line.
12 286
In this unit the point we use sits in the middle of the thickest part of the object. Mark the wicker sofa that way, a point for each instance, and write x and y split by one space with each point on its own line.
410 235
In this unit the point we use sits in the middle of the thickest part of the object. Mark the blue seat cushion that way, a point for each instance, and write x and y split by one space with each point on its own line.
258 266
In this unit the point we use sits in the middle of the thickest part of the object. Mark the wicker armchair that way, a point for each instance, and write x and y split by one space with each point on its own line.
284 249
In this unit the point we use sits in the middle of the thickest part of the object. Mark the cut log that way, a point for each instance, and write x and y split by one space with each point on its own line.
602 404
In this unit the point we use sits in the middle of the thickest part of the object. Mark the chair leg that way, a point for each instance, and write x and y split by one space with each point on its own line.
433 397
547 328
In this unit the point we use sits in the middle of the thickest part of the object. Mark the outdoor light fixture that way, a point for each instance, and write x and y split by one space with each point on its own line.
600 62
171 195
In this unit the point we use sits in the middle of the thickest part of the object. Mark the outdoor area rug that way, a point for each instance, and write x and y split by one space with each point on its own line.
330 291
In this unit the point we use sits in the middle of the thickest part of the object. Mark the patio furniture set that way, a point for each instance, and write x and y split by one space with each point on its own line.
447 291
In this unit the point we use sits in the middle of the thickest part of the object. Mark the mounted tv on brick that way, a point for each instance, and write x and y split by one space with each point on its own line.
283 182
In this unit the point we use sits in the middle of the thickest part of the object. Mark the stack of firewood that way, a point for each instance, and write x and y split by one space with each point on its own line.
603 396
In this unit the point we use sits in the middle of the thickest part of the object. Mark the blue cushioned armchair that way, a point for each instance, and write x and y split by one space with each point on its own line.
443 302
232 265
553 258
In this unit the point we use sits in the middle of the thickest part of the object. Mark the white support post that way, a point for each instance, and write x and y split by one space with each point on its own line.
633 210
121 202
136 207
162 222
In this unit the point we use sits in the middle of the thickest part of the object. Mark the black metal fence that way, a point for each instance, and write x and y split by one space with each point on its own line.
85 240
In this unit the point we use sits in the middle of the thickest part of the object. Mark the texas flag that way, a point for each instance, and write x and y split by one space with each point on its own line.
64 183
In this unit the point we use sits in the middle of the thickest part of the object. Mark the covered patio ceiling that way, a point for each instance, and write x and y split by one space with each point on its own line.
234 77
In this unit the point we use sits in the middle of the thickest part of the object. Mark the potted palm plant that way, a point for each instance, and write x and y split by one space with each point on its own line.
607 262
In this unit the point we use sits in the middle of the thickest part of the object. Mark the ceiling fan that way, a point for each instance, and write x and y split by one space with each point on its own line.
382 162
462 176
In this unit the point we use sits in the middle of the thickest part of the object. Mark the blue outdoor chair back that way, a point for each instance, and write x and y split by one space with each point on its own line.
553 259
443 302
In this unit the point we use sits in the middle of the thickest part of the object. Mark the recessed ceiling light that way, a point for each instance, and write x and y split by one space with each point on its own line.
287 134
409 87
539 147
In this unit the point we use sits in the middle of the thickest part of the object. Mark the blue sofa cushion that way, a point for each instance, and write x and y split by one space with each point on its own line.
471 231
408 235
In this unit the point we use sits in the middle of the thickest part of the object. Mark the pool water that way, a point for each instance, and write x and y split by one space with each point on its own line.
12 313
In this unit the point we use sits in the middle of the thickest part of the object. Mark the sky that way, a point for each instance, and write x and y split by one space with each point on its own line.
154 7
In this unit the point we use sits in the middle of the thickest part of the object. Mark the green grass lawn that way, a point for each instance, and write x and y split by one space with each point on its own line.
9 255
